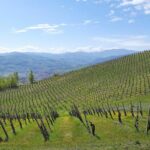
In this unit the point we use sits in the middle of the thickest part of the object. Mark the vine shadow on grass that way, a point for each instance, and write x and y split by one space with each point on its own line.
97 136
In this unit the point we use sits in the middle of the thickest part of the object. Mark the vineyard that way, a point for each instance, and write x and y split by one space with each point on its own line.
105 106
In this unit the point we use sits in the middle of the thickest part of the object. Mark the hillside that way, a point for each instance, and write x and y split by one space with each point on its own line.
46 64
113 80
94 90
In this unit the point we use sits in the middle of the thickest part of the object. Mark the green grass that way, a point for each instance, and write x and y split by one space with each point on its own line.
70 133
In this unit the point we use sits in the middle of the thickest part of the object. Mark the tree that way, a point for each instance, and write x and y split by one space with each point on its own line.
31 77
10 81
16 76
13 80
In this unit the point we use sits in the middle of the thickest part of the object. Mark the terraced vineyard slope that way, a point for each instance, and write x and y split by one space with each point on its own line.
115 93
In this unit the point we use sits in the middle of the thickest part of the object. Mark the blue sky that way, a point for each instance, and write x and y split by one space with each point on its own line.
58 26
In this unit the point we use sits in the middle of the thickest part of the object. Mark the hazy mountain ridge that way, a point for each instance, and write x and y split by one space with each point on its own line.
46 64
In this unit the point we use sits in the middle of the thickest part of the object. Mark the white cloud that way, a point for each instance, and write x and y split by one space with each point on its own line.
139 42
33 48
89 21
137 4
113 17
55 50
53 29
134 2
26 48
123 9
147 8
128 9
3 49
94 1
89 48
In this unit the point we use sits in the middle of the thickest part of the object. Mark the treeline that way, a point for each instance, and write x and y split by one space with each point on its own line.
12 80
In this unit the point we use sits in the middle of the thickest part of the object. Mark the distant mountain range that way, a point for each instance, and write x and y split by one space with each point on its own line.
46 64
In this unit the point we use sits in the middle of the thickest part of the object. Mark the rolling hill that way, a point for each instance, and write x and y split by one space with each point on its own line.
99 94
45 64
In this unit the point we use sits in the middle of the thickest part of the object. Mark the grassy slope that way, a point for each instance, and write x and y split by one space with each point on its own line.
69 133
123 80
